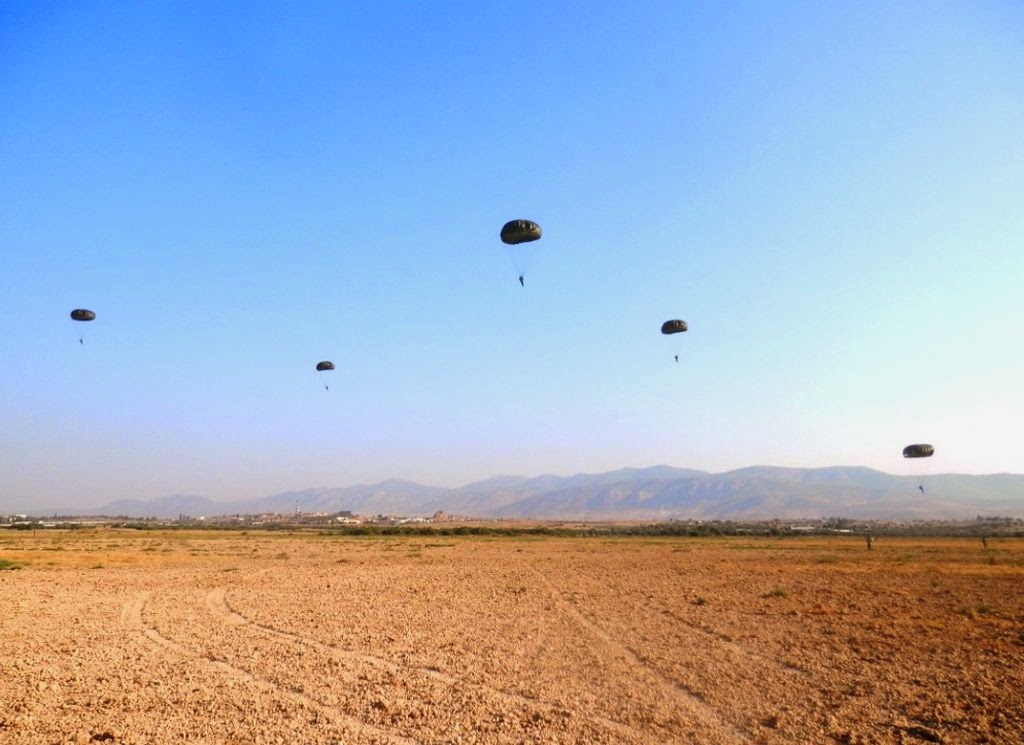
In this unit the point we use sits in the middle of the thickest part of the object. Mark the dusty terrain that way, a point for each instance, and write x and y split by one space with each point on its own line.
135 637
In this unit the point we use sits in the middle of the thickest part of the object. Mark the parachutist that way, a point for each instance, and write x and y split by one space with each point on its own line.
327 388
921 487
677 358
81 342
521 283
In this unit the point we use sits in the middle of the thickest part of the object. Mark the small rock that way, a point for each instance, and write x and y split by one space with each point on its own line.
924 733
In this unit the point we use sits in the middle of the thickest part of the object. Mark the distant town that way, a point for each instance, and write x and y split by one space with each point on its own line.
442 523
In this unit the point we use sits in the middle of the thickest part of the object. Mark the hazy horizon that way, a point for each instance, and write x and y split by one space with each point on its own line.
926 476
828 195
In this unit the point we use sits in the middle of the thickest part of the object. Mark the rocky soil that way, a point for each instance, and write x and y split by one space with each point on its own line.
135 637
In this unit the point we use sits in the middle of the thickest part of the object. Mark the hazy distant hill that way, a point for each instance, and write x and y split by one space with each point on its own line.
172 506
498 496
765 492
656 493
388 497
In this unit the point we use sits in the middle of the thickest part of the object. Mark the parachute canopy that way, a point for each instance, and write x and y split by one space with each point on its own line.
918 451
81 314
673 327
520 231
325 365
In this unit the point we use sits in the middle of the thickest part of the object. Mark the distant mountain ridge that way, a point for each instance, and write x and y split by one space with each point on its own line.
654 493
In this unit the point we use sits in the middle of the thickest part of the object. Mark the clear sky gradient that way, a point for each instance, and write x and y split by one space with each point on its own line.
830 194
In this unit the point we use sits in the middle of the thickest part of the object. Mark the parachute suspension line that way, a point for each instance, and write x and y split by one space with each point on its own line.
922 477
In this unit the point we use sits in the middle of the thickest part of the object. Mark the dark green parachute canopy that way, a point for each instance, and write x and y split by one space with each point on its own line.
520 231
918 451
325 365
673 327
81 314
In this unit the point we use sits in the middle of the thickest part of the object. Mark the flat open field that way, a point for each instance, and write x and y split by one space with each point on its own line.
146 637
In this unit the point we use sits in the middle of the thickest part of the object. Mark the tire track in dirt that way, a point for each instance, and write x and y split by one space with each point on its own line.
132 616
703 712
217 604
727 642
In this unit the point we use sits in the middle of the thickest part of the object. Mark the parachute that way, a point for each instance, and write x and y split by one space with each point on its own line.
325 365
513 234
82 314
919 450
674 326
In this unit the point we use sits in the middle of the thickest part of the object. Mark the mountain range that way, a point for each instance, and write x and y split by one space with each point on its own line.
654 493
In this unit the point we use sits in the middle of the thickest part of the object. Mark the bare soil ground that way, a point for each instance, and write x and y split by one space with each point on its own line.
135 637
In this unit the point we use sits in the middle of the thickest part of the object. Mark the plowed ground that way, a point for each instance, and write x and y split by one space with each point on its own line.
137 637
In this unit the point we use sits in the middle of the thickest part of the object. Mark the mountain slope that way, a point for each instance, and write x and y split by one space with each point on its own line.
656 493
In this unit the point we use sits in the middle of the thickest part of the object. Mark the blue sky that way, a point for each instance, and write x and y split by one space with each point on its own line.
829 194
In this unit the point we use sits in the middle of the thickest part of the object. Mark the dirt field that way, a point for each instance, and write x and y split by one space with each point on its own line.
135 637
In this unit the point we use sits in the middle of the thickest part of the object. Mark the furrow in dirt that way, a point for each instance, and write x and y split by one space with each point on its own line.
704 714
218 605
133 614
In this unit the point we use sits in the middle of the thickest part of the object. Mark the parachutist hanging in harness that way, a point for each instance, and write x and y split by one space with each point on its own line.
81 342
921 488
677 358
521 284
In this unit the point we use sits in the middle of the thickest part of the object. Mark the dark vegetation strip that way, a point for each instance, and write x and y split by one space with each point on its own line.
987 528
